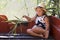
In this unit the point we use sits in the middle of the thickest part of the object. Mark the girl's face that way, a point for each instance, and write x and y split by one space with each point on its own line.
39 11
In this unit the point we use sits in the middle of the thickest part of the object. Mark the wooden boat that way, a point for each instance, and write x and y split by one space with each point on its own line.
6 27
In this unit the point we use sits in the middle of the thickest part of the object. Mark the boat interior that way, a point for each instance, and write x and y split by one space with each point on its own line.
17 30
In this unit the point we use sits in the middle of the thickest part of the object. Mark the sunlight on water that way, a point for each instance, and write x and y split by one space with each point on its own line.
12 8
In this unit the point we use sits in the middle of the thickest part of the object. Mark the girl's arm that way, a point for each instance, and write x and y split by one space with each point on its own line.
47 23
29 19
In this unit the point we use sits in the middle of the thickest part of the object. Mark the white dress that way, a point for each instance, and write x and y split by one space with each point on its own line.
39 22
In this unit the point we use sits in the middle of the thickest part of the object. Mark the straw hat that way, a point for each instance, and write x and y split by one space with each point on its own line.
41 5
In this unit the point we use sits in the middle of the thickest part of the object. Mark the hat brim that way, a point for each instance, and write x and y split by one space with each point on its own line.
42 8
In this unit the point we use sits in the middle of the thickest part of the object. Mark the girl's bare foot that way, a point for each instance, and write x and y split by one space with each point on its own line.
41 36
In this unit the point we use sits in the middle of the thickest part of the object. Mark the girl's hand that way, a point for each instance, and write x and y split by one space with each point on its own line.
28 18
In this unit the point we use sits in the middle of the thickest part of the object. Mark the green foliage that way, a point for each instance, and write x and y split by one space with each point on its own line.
52 7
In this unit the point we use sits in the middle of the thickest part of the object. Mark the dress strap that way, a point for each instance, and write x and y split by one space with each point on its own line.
44 17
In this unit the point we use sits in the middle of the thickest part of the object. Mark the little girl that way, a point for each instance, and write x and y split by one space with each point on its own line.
41 27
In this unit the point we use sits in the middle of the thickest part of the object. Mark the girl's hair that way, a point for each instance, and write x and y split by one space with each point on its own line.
44 13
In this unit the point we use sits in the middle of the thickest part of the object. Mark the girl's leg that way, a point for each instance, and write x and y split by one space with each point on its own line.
30 31
46 34
41 30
